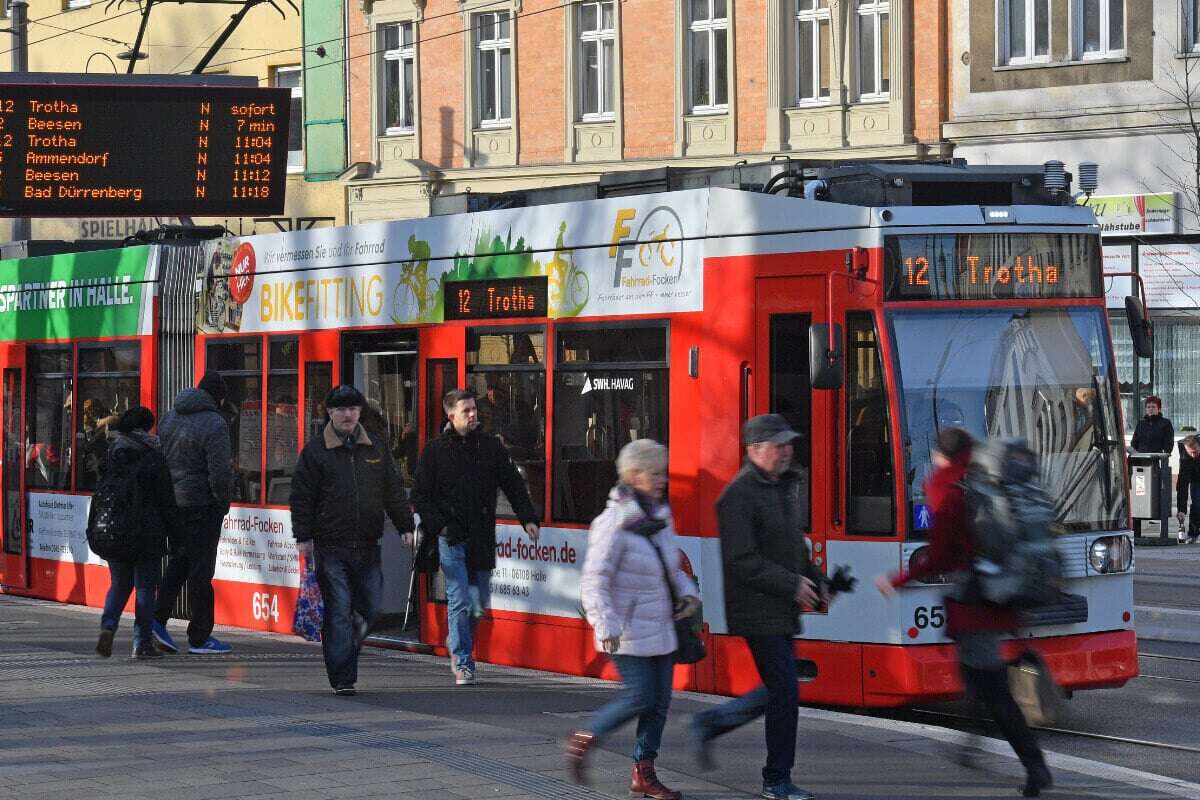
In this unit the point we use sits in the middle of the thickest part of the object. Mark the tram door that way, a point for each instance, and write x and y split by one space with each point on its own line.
385 369
785 309
14 567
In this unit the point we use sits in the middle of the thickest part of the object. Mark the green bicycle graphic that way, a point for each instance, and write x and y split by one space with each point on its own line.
415 297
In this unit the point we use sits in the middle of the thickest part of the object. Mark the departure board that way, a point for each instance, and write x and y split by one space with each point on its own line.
138 150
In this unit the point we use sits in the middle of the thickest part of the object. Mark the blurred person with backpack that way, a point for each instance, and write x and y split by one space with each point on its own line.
975 624
1187 487
197 446
132 511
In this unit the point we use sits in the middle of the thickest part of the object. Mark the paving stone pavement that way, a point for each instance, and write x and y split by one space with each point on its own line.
262 723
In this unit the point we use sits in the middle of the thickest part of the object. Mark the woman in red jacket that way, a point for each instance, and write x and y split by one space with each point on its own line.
975 626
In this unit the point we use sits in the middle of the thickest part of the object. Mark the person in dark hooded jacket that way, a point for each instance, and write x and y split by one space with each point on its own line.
135 450
196 444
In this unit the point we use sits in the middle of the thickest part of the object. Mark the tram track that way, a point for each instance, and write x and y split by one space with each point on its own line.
1068 732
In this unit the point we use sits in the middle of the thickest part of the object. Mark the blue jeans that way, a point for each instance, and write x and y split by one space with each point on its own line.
778 698
124 576
349 588
646 695
468 593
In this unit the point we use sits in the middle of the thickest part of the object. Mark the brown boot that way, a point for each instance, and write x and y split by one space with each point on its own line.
578 743
645 783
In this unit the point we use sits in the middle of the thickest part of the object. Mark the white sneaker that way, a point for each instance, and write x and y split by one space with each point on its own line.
464 676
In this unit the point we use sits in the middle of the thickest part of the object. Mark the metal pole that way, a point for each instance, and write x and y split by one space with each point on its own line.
19 15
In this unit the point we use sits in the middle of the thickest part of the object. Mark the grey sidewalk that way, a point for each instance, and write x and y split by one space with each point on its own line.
262 723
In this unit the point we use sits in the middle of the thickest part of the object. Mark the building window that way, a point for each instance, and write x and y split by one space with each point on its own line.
874 54
708 47
507 371
1191 26
1100 32
610 387
493 73
1024 31
291 78
597 59
813 67
399 78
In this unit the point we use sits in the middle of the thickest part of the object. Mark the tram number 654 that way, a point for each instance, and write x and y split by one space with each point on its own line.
925 617
265 606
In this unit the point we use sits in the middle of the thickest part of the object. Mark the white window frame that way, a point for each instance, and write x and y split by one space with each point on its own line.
497 45
1077 9
811 18
876 13
710 25
395 59
295 157
73 4
606 77
1005 37
1189 42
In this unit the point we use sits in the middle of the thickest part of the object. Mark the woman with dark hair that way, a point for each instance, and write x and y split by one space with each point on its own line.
1154 432
976 626
135 455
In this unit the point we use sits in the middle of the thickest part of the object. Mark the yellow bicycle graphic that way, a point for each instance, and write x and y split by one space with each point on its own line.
569 286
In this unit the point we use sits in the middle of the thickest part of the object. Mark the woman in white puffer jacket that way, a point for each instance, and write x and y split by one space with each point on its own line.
629 606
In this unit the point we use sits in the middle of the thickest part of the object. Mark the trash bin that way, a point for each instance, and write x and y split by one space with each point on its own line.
1150 489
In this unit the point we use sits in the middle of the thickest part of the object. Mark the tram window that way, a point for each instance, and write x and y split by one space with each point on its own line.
48 418
604 397
868 431
283 420
109 385
441 375
506 370
240 364
791 388
318 380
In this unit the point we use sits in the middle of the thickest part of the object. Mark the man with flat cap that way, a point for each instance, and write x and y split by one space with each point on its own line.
769 579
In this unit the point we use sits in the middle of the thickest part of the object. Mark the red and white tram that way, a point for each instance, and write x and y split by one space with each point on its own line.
885 302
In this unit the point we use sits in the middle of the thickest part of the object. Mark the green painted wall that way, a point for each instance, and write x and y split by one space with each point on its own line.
324 89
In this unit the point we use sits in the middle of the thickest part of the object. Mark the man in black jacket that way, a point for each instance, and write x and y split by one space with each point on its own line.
769 579
1187 487
195 442
343 484
455 494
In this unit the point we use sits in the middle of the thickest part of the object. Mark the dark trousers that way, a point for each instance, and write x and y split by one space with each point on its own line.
193 559
778 698
124 575
1193 529
985 676
352 589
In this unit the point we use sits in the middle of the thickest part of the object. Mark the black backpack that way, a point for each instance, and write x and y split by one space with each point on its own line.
114 528
1017 563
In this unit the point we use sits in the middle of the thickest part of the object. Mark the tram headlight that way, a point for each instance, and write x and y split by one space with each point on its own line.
1111 554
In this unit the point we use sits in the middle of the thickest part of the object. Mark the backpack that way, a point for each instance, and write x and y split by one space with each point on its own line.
1017 563
114 528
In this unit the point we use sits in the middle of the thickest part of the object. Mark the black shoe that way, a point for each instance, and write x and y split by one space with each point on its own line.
1037 778
345 691
147 652
702 737
104 643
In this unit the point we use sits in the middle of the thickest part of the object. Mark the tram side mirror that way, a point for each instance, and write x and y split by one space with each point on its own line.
1141 330
825 363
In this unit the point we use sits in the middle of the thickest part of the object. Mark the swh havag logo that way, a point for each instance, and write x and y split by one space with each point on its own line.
653 257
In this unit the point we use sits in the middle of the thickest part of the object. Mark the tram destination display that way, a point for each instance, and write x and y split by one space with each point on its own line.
497 298
992 266
138 150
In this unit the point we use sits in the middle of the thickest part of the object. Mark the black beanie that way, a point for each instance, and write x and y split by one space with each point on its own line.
214 384
138 418
344 395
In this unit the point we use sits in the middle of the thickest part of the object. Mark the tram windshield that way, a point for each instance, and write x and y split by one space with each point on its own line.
1041 374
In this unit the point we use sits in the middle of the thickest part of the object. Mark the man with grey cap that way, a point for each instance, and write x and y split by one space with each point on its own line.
769 579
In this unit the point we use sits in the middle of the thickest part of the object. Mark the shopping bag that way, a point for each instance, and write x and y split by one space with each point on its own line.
310 608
